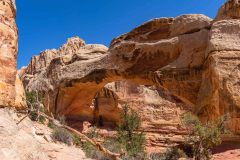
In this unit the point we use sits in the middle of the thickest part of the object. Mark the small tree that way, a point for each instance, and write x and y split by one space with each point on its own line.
35 105
203 136
131 140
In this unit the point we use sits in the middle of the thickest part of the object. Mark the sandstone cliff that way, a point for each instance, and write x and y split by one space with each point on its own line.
8 52
136 56
194 58
160 111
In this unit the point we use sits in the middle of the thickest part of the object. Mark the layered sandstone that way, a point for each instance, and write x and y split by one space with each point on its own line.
229 10
8 52
131 56
220 90
160 111
192 57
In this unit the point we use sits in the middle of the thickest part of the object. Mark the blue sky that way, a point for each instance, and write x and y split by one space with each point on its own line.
46 24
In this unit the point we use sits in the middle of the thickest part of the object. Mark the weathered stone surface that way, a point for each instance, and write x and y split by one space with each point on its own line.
72 77
224 36
20 99
219 93
159 111
150 31
189 23
195 59
21 142
229 10
178 61
40 62
8 53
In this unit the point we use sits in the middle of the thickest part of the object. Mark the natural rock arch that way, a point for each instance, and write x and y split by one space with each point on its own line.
190 55
165 60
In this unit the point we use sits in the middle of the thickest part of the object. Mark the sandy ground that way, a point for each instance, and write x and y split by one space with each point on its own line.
227 151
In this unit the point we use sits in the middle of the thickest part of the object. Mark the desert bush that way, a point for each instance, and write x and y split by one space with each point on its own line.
90 151
51 125
109 143
131 141
156 156
35 105
172 153
77 141
203 136
61 119
62 135
93 133
128 140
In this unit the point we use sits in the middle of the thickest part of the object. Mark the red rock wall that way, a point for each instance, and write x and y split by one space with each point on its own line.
8 52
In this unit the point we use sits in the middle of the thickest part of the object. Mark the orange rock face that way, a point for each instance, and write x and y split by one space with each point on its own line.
170 60
159 111
8 52
194 59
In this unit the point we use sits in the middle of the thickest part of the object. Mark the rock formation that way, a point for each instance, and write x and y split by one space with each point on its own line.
8 52
31 141
194 58
130 57
220 89
160 112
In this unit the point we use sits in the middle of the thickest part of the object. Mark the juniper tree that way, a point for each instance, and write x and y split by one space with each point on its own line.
203 136
131 140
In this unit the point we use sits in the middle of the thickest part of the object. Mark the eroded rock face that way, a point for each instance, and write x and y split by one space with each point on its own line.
230 10
220 90
177 57
31 141
42 61
159 111
8 53
194 58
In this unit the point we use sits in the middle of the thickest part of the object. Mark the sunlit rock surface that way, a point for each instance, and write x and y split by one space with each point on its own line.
191 58
8 53
31 141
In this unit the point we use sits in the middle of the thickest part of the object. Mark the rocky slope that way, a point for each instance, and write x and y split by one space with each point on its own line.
8 52
31 141
193 58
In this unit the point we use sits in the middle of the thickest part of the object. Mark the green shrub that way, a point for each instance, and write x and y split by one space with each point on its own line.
35 105
128 140
156 156
93 133
110 143
131 141
77 140
203 136
62 135
172 153
91 151
61 119
51 125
